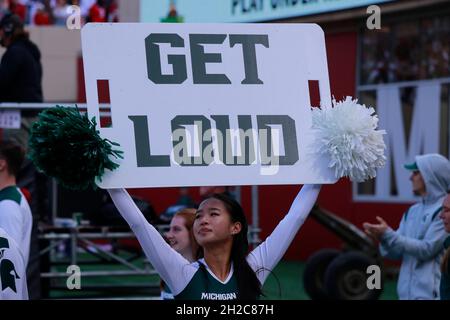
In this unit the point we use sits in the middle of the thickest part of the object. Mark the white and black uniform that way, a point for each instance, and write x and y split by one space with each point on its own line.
13 281
16 218
185 279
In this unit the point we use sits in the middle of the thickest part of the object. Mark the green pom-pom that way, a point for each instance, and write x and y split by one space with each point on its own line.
65 144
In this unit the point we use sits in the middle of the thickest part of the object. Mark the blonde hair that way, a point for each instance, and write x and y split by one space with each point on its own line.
188 216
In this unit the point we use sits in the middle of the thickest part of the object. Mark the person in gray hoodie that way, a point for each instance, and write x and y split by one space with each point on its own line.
419 239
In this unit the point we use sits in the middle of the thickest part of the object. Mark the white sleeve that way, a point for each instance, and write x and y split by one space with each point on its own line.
173 268
11 220
265 257
15 277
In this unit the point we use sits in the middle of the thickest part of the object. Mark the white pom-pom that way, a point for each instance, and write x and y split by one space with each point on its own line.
347 134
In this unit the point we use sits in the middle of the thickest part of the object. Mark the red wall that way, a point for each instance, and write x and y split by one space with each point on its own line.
274 201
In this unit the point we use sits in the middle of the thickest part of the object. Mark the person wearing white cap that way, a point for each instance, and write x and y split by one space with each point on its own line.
419 239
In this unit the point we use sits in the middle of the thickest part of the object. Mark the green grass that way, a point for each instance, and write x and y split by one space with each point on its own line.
285 283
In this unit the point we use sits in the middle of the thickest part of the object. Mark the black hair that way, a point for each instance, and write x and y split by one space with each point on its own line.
13 154
249 286
13 28
10 22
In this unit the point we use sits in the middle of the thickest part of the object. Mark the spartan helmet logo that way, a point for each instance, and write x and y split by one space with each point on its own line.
8 274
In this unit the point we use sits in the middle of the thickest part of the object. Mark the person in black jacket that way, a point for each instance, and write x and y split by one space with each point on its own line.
20 82
20 67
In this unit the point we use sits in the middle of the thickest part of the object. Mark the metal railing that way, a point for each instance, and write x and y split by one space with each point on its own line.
77 238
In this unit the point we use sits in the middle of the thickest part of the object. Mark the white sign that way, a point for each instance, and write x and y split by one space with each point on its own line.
10 119
200 104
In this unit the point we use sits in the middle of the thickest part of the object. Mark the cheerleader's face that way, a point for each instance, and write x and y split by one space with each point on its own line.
445 213
213 223
178 235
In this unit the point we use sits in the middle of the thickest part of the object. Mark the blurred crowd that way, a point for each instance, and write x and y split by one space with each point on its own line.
406 51
56 12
